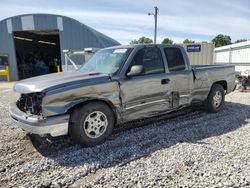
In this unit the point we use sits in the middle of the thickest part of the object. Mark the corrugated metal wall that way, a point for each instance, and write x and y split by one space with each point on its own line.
73 35
237 54
204 57
7 47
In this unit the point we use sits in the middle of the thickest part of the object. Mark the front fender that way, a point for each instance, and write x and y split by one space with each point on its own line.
59 101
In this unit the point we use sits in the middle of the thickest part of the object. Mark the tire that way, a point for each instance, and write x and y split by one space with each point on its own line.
91 123
215 99
241 88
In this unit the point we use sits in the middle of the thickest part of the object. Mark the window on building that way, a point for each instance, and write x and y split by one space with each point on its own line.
4 60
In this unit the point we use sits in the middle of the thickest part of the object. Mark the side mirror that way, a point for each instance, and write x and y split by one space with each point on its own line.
135 70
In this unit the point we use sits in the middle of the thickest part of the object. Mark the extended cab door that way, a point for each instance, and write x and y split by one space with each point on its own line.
180 74
147 94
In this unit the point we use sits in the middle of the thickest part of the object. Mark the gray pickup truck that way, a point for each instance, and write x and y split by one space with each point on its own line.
117 85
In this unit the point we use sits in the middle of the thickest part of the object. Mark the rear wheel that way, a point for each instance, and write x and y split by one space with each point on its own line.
215 99
91 124
241 88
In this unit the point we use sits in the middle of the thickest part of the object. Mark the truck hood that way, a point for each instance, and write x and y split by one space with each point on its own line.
57 80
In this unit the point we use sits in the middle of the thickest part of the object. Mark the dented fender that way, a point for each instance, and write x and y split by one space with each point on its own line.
61 100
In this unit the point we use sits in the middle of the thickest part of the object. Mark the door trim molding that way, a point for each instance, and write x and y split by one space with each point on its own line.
139 105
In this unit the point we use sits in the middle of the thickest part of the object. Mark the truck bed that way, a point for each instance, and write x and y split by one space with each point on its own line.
211 66
206 75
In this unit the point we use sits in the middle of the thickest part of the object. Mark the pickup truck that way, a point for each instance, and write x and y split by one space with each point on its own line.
118 84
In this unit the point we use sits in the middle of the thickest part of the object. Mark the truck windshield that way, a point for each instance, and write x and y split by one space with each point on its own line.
107 61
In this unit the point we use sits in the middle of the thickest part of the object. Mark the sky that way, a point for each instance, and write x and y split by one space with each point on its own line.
125 20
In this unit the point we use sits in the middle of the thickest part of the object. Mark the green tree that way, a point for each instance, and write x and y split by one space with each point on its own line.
222 40
187 41
142 40
167 41
240 40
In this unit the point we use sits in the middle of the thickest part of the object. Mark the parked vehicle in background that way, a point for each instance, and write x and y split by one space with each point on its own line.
243 81
117 85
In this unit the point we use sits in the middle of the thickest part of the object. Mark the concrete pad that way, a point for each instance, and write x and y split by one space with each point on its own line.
6 85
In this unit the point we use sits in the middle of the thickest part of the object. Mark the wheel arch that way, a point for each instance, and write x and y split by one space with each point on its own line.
223 83
209 102
106 102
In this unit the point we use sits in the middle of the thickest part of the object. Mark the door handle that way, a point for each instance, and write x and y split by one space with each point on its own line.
165 81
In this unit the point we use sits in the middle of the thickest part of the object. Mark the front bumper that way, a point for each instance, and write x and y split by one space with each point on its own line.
54 125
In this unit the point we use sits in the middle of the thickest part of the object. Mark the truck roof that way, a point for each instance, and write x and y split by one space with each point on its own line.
146 45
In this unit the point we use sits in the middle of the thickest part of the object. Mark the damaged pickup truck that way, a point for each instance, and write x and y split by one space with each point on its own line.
118 84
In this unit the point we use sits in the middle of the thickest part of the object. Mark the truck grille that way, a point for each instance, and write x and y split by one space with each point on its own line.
30 103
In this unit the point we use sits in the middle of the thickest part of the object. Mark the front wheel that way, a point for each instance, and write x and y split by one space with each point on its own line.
91 124
215 99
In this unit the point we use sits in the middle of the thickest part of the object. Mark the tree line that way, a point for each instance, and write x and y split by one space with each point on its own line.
219 40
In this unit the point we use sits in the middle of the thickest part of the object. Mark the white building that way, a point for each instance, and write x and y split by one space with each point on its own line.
237 54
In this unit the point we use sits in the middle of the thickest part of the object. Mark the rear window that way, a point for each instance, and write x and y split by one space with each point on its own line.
174 59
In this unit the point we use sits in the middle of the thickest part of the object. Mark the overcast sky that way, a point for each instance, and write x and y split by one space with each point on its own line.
125 20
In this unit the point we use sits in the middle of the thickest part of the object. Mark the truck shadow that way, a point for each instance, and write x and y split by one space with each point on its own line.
140 139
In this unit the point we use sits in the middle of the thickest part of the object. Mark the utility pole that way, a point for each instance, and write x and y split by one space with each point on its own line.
155 16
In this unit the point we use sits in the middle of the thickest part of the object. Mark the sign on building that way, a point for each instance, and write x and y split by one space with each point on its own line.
193 48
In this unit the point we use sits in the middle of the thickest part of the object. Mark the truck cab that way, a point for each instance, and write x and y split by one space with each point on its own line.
164 83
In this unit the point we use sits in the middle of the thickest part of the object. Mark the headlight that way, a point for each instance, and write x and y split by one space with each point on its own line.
31 103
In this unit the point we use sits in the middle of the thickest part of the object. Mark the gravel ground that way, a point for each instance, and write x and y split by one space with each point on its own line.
194 149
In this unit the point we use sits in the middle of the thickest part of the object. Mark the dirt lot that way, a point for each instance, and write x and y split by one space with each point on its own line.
194 149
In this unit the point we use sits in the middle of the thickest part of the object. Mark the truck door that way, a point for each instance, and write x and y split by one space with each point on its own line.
181 76
147 94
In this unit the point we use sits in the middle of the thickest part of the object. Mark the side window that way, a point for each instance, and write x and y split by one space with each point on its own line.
174 59
4 60
151 60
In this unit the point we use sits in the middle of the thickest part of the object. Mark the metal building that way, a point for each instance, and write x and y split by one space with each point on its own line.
200 53
237 54
44 35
